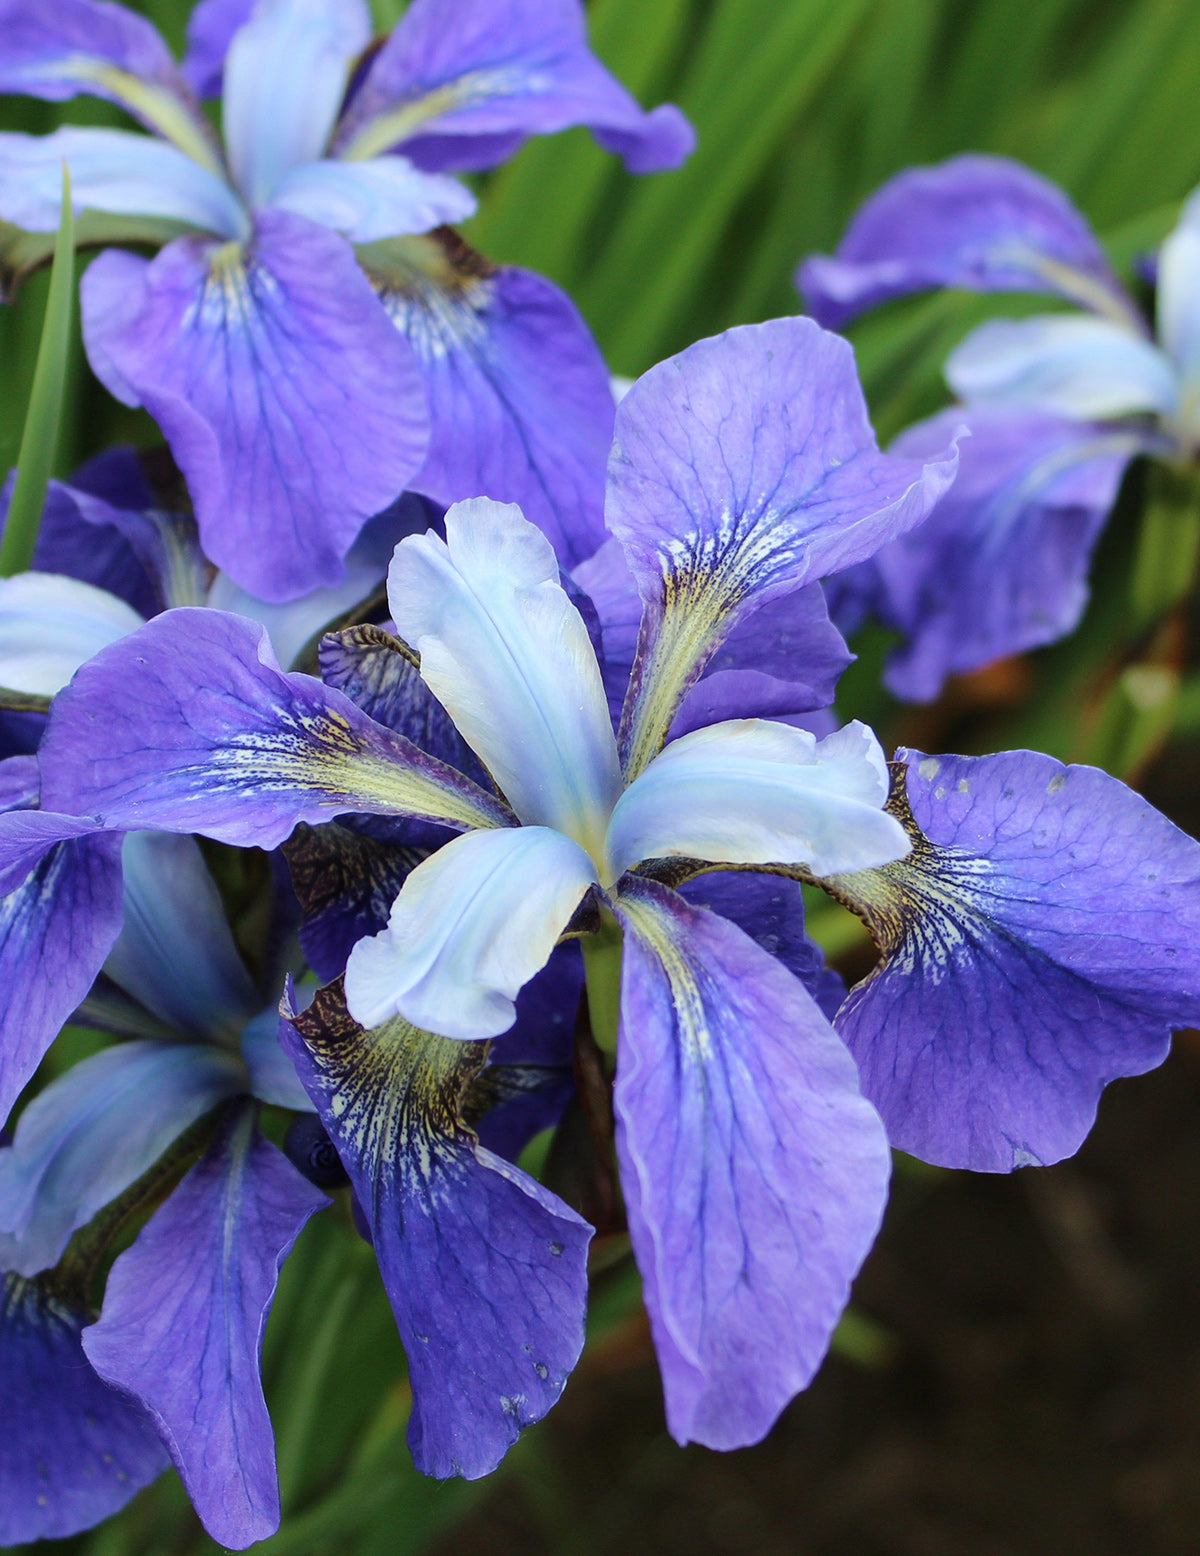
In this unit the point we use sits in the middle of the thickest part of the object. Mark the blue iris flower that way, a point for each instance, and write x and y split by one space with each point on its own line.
171 1365
307 352
1058 404
751 1129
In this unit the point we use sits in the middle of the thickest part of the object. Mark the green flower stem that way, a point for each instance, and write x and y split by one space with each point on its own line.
602 968
1168 543
40 437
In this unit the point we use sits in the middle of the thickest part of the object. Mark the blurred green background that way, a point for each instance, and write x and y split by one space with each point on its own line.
1021 1372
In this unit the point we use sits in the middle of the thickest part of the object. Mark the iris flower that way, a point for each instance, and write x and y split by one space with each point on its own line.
1037 924
1058 404
108 556
306 351
185 1305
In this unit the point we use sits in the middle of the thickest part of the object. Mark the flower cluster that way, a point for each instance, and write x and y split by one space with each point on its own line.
543 811
1058 404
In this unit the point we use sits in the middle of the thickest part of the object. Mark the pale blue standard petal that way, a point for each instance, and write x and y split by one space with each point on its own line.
93 1132
508 655
285 74
463 82
292 406
183 1319
743 469
471 926
50 625
60 48
754 1173
176 954
518 391
754 792
366 201
56 928
492 1340
113 171
73 1450
189 725
272 1075
1042 938
1065 363
1178 303
985 223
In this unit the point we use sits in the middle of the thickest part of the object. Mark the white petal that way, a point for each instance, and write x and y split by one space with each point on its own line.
471 926
285 75
382 198
751 791
1179 316
1071 363
114 171
50 625
508 656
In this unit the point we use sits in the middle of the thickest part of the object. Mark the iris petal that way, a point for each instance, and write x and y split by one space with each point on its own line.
508 655
50 625
471 926
754 792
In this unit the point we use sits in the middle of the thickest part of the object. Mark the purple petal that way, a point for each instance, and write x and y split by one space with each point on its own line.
183 1319
979 222
176 954
1040 940
73 1450
743 469
82 530
519 397
770 909
293 409
94 1131
480 75
58 49
754 1173
373 669
1001 565
55 931
346 884
493 1338
781 660
189 725
210 31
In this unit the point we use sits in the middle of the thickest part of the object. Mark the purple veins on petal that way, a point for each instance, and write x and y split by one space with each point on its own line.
291 404
754 1173
1039 941
190 725
520 404
491 1342
58 921
183 1319
743 469
74 1450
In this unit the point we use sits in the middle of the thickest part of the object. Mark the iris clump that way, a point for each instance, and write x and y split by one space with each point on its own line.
433 759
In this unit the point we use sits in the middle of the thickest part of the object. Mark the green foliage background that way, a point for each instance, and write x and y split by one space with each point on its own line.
802 108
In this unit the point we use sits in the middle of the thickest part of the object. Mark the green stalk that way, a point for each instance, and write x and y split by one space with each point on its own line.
40 437
1168 541
602 970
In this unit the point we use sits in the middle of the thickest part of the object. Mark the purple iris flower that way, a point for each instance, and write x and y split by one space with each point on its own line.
1058 404
108 556
308 345
171 1365
1037 924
